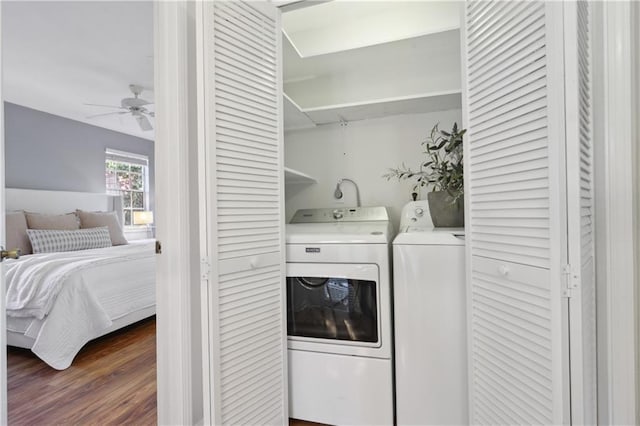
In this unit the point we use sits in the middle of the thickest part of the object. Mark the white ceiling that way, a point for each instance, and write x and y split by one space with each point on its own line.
341 25
345 52
59 55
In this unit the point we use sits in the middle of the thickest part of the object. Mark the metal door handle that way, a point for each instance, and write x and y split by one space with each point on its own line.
10 254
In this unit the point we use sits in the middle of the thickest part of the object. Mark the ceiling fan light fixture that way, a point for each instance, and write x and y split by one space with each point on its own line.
143 122
134 106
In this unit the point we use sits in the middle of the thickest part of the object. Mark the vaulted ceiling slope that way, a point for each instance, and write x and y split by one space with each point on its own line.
58 56
339 25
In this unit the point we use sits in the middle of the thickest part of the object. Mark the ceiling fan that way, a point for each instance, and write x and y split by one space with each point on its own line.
135 106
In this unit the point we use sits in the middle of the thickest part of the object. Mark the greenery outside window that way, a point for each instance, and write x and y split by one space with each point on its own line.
127 174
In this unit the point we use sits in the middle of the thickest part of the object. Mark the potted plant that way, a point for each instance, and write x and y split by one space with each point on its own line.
443 171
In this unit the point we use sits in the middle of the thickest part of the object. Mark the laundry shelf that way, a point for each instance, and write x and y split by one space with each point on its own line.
294 117
292 176
428 102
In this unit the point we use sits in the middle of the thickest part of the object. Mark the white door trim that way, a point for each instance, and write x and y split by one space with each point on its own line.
619 230
3 318
178 371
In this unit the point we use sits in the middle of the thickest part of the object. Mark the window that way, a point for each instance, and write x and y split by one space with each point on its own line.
127 174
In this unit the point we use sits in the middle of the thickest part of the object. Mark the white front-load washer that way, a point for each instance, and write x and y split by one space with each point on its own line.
429 321
339 317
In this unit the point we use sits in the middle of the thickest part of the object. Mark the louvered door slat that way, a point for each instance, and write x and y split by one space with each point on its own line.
234 137
236 161
237 120
525 135
235 79
235 25
248 72
256 394
251 108
528 140
230 91
511 66
256 284
261 23
232 85
246 176
497 37
235 41
512 156
498 48
241 195
482 19
516 317
240 57
518 98
238 174
231 152
239 363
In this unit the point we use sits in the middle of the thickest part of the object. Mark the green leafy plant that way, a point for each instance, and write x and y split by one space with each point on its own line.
443 168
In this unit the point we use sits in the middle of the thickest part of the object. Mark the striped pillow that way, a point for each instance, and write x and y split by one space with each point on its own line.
55 240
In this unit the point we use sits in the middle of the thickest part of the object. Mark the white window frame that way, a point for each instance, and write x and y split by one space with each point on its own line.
132 159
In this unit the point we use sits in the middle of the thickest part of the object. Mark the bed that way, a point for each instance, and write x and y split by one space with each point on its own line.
57 301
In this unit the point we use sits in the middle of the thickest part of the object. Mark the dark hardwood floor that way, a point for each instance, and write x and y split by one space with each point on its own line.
111 381
296 422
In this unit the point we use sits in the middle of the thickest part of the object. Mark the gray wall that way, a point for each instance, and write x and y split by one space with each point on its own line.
45 151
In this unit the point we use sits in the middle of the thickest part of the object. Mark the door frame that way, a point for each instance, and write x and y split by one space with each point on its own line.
617 239
3 318
179 351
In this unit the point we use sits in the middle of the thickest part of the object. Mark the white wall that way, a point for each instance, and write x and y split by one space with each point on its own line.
362 151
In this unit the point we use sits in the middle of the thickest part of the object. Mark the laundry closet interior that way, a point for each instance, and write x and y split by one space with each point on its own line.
364 83
381 305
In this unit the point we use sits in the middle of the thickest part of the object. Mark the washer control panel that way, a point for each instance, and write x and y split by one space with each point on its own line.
346 214
415 214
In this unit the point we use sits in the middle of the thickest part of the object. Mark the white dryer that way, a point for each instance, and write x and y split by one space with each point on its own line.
429 321
339 319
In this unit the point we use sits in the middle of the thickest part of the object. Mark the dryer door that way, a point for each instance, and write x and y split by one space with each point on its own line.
334 304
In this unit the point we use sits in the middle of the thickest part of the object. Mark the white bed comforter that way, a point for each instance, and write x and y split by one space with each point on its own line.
63 300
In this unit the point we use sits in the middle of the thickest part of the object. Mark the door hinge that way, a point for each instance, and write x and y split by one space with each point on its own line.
205 268
570 281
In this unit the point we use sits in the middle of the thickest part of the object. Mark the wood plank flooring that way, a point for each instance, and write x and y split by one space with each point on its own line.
112 381
296 422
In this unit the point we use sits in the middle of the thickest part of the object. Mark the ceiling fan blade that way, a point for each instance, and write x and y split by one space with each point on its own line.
150 113
107 113
144 122
105 106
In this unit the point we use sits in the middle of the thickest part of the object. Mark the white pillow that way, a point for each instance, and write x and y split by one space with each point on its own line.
55 240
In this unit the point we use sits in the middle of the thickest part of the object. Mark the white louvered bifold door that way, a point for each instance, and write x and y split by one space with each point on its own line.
516 238
244 178
579 157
